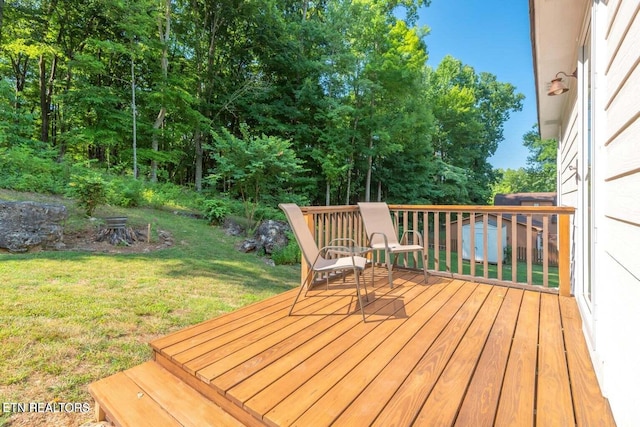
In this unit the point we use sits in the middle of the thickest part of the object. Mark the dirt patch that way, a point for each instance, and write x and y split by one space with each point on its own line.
86 240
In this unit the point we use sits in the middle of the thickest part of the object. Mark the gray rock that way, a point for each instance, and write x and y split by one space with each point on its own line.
27 225
271 235
248 245
232 228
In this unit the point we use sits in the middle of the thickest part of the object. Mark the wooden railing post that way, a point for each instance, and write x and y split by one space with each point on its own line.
564 257
304 268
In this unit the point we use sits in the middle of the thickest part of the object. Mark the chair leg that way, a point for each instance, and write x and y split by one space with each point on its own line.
364 282
310 281
357 276
306 282
424 267
373 266
390 264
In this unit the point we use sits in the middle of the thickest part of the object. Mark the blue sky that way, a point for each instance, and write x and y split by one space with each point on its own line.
491 36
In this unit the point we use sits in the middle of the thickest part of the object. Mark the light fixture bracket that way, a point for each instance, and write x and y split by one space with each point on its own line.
574 74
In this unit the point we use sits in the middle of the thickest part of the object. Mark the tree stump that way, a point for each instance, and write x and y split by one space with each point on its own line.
116 232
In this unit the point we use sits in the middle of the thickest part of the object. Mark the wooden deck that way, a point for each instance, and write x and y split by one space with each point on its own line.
448 352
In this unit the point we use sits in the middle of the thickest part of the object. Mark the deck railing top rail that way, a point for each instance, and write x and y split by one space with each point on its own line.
559 210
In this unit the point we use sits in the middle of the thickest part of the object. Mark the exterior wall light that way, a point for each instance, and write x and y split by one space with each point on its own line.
557 86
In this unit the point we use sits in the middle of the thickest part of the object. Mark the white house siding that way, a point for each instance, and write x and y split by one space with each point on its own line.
618 264
568 155
613 320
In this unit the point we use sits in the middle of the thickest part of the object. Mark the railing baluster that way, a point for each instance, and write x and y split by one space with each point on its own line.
425 235
472 243
529 249
514 247
499 250
564 245
436 241
485 245
459 243
447 242
545 250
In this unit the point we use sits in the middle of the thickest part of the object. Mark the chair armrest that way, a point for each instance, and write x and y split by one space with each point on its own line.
337 241
403 239
384 237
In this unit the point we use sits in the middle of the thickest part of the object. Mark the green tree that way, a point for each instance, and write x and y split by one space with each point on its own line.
540 173
470 111
381 71
512 181
253 166
541 162
15 126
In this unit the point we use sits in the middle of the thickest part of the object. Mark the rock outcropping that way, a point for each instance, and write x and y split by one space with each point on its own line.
27 225
269 235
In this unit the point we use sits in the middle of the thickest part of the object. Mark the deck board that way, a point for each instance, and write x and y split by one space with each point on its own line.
555 404
517 399
353 344
130 403
308 394
335 339
192 333
591 408
341 395
393 374
442 353
481 400
186 405
210 349
212 365
441 407
410 397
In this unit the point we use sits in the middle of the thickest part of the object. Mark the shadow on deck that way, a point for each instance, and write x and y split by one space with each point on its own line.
449 352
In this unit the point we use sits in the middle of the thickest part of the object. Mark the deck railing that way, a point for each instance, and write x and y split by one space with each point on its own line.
508 245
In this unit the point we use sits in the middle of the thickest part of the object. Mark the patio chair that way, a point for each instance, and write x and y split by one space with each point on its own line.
317 259
383 236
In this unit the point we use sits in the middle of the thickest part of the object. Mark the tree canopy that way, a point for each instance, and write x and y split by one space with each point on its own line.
156 88
540 173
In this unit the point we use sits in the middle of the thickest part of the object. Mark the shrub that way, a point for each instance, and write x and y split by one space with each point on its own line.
170 195
125 192
289 254
27 168
89 190
215 210
263 211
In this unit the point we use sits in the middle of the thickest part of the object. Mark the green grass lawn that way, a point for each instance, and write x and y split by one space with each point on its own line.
70 318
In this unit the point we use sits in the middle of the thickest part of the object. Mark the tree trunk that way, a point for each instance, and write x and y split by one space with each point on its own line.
154 142
367 184
199 159
1 15
46 91
328 194
44 108
164 40
349 182
351 160
134 114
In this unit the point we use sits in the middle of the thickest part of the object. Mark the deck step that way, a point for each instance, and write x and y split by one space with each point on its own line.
149 395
